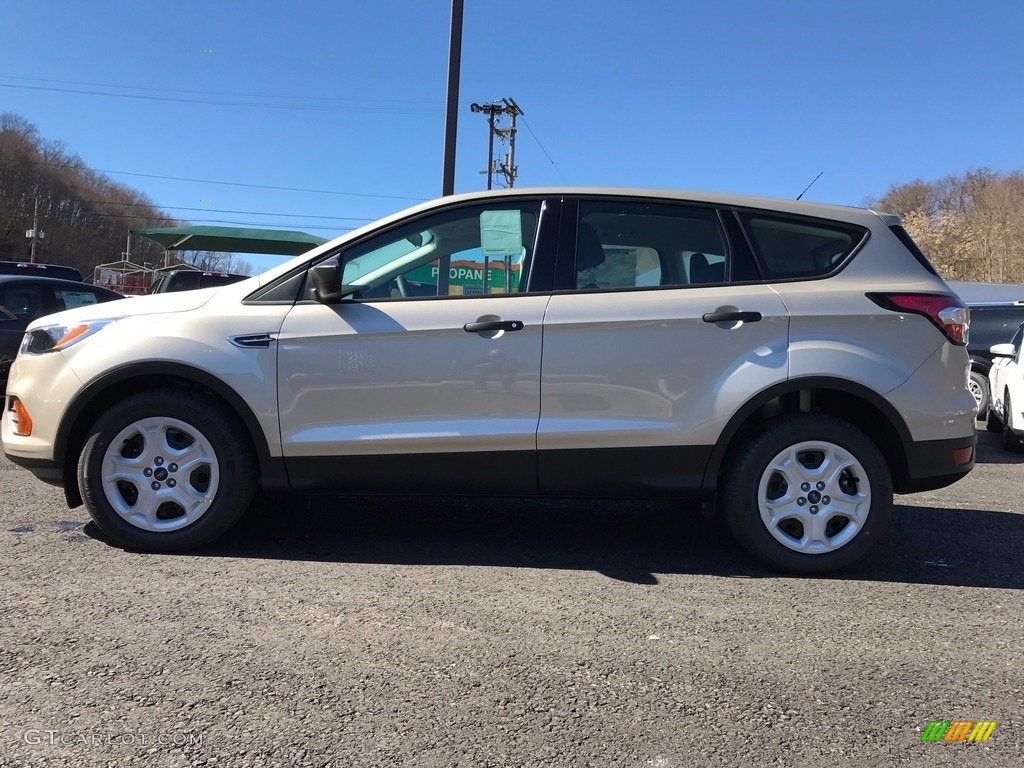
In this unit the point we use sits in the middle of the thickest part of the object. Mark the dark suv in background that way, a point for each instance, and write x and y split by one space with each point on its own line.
35 269
996 311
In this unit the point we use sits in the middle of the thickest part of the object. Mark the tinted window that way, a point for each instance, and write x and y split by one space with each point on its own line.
21 302
642 245
788 247
211 281
70 299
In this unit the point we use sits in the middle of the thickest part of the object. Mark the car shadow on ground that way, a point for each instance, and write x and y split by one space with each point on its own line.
630 541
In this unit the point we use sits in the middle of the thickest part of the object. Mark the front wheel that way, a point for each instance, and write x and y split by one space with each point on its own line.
808 494
166 471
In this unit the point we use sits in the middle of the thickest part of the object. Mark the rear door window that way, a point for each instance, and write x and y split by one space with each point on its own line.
623 245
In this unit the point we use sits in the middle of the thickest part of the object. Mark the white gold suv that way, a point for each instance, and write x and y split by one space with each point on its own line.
793 363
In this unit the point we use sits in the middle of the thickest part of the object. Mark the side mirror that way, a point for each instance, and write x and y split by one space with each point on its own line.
1002 350
326 282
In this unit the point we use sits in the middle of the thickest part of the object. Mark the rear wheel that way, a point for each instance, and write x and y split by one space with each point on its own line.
166 470
808 494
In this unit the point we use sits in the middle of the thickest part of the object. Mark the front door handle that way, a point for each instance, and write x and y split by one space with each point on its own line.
732 317
483 326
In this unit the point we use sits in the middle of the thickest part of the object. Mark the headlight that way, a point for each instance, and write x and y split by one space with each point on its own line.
54 338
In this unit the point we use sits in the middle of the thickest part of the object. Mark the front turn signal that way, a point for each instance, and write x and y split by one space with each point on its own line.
21 422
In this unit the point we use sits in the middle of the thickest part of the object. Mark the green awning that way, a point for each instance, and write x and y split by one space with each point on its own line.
232 239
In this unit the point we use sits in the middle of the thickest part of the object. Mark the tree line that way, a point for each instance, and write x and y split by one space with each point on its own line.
85 215
970 226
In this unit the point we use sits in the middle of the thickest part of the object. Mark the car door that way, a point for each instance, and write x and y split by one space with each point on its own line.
653 339
428 376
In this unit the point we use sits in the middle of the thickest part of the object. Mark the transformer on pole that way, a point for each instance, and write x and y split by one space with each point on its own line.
507 168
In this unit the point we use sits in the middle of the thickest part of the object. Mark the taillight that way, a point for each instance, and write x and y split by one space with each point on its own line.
947 312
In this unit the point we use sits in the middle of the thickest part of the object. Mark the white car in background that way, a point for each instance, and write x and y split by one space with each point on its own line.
1006 383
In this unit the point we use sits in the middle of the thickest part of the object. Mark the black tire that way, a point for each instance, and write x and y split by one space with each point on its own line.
993 422
1011 442
860 482
146 435
979 388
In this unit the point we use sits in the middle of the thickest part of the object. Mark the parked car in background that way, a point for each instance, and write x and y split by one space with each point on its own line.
27 298
1006 382
36 269
996 311
790 364
191 279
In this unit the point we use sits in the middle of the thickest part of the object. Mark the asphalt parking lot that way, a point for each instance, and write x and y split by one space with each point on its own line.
455 632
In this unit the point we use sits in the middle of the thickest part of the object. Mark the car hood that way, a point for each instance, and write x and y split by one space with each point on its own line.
181 301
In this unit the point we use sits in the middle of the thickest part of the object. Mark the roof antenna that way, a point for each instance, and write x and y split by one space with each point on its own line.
809 186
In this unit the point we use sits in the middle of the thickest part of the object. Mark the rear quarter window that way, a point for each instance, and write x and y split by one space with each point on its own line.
789 248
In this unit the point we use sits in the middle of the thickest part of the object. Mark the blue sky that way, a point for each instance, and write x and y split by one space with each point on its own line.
347 97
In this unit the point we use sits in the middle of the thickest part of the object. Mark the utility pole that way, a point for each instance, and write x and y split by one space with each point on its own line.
452 106
34 233
508 167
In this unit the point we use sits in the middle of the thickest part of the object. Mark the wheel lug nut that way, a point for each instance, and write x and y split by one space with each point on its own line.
805 487
801 501
814 510
826 500
156 486
172 467
171 483
158 460
821 486
147 472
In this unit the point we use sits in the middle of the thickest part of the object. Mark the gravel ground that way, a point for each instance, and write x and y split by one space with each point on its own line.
454 632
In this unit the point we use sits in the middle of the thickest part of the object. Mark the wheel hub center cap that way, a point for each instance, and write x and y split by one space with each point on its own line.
814 497
160 474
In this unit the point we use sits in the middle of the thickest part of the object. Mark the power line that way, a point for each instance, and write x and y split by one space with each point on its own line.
234 183
217 221
140 217
181 100
226 210
433 102
544 150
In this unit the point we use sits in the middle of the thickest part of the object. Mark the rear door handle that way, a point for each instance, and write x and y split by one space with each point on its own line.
732 317
493 325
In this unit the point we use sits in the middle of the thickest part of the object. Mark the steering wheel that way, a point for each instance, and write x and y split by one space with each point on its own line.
403 286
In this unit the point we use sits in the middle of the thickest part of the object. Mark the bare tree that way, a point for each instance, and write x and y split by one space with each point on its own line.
971 226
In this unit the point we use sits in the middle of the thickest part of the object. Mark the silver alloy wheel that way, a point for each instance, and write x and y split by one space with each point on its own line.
975 388
160 474
814 497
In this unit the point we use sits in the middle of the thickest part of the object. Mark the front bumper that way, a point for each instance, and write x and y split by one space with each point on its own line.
47 470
